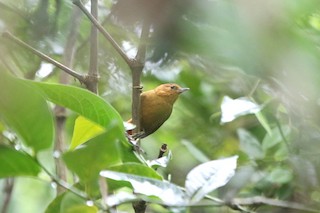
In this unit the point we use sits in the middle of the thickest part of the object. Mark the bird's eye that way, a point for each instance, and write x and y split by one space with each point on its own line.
173 87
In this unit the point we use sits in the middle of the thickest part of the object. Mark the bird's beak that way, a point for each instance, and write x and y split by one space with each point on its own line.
181 90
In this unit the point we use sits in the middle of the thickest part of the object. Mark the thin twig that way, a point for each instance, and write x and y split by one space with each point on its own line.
8 187
104 32
254 88
43 56
258 200
61 183
136 74
60 112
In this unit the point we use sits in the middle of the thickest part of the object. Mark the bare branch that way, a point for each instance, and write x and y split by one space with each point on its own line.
43 56
60 112
104 32
93 69
8 188
136 74
258 200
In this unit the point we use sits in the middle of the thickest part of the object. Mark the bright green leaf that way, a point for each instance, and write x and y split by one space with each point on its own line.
97 154
23 109
70 203
54 206
86 104
82 209
83 102
84 130
92 107
14 163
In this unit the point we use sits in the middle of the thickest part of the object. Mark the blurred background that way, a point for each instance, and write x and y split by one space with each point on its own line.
266 52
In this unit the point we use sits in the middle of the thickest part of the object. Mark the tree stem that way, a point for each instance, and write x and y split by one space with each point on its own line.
93 75
103 32
43 56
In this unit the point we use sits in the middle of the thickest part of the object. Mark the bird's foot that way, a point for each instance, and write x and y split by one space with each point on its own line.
135 142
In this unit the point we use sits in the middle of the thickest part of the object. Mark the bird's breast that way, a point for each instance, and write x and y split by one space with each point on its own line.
154 112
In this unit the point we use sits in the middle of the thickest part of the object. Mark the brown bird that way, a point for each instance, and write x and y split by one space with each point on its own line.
156 107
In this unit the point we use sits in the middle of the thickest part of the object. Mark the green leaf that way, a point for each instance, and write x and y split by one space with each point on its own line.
54 206
83 209
136 169
86 104
69 203
97 154
250 145
23 109
92 107
84 130
83 102
14 163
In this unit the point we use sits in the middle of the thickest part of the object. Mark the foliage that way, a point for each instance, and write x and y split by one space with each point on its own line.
253 74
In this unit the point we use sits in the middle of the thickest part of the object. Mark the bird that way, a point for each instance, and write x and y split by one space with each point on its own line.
156 107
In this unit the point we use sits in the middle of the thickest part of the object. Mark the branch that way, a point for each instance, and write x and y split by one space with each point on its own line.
64 68
59 111
136 74
93 69
7 189
104 32
259 200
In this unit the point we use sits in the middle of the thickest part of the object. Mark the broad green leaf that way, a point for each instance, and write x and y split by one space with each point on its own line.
136 169
54 206
209 176
85 103
83 209
84 130
24 110
169 193
91 107
97 154
14 163
250 145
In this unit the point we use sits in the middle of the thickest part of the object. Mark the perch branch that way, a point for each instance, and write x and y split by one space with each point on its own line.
136 74
66 69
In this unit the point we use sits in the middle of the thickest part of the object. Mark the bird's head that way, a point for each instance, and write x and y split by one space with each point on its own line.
170 91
